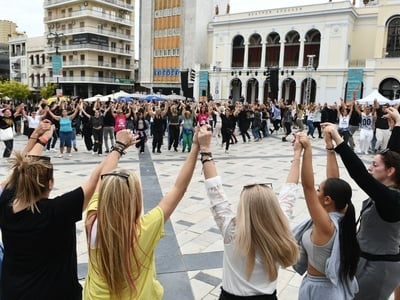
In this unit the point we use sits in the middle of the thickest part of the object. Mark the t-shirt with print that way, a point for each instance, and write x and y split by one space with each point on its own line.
40 260
148 287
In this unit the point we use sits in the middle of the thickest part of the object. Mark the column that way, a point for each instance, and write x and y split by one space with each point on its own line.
282 54
301 56
261 91
263 51
246 55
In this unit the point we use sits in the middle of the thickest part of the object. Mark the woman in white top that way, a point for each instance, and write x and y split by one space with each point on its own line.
257 238
344 115
366 128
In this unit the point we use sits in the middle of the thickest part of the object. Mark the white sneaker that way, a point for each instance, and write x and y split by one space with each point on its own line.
47 150
59 156
366 153
69 155
53 150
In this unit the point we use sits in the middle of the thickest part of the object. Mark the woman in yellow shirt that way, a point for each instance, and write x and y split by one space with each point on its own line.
121 240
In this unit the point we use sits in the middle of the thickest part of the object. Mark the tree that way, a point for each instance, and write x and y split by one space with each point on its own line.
49 90
14 90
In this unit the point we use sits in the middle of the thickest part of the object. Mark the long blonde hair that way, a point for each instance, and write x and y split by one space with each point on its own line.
30 177
118 216
262 227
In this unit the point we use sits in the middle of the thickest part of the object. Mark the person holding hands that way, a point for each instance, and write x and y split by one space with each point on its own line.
257 238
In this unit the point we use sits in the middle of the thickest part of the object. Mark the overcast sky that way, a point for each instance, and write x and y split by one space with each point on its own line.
28 14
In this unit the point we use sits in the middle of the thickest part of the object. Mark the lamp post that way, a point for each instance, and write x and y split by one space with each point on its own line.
56 59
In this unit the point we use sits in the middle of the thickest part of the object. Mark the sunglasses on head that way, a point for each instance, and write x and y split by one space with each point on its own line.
384 151
121 175
265 184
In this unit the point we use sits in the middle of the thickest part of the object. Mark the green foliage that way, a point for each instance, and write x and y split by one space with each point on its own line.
14 90
49 90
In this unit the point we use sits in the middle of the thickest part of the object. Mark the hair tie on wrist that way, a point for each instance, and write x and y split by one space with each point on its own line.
121 143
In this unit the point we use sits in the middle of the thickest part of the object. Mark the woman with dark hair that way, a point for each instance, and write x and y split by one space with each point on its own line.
328 244
378 272
38 231
7 121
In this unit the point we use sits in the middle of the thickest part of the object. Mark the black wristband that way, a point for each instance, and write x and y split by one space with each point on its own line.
330 149
205 154
40 142
118 149
121 143
203 161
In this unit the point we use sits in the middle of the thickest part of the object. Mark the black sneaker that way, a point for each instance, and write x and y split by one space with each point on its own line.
107 151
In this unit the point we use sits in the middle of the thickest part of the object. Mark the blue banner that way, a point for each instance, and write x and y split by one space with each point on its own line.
57 64
354 84
203 83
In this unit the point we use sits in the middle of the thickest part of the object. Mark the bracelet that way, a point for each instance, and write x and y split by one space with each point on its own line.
118 149
205 154
330 149
121 143
38 141
203 161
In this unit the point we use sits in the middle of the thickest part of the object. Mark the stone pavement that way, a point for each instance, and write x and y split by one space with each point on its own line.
189 257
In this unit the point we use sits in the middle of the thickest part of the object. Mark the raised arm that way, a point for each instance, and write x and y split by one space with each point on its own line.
323 226
55 117
288 194
332 168
124 139
169 202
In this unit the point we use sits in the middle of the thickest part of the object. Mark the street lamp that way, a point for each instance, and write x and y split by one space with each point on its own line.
57 58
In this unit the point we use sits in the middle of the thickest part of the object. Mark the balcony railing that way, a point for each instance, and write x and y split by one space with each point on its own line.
96 30
118 3
93 79
89 13
92 63
89 47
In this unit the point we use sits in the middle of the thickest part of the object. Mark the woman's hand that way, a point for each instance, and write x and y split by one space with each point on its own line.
44 128
297 146
331 131
127 137
392 113
304 140
204 134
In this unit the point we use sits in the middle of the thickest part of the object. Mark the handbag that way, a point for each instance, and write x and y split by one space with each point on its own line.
6 134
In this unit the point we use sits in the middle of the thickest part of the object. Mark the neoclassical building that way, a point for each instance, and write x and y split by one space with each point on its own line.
320 52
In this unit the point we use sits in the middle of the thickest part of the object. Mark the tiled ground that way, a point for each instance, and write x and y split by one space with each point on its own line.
189 258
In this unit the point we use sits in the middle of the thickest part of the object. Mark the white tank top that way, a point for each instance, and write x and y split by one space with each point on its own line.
366 121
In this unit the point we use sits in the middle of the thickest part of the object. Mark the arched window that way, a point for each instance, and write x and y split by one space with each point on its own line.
311 46
238 52
273 50
292 49
393 37
255 47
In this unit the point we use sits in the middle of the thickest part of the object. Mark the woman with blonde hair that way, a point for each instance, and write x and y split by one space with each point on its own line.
122 240
257 240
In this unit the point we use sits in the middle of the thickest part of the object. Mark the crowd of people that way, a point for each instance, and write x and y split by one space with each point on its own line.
340 256
174 121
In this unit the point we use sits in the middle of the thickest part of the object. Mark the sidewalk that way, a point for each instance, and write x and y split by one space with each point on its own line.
189 257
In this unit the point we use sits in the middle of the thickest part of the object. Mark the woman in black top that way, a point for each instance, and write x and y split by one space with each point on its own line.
378 271
7 121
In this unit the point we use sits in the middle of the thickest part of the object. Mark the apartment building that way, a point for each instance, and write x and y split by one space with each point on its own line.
90 46
173 40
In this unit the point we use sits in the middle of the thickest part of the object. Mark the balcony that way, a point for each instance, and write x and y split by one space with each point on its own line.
88 13
87 46
117 3
94 79
94 64
96 30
